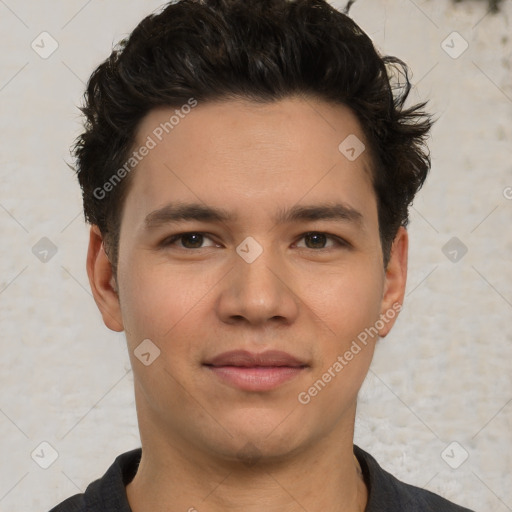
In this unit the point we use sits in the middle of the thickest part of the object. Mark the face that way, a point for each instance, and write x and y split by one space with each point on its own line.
250 256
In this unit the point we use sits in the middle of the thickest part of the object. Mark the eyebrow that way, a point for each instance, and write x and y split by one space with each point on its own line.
176 212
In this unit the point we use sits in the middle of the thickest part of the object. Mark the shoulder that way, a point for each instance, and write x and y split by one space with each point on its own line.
89 501
387 493
108 493
73 504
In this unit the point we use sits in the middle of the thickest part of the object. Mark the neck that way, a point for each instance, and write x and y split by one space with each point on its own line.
177 478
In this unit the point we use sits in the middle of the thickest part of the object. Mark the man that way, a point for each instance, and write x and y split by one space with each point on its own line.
247 168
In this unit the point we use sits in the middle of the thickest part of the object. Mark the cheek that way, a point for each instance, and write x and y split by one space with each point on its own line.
347 310
157 302
346 301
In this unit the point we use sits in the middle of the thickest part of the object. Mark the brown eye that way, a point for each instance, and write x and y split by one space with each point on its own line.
188 241
315 240
192 240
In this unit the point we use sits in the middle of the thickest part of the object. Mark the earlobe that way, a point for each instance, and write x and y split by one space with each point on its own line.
102 281
395 281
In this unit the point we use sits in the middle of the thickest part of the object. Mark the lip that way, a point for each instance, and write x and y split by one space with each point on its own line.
251 371
244 358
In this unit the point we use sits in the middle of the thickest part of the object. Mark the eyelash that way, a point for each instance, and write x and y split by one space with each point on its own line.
339 241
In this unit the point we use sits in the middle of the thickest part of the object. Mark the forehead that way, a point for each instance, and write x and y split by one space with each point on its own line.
255 157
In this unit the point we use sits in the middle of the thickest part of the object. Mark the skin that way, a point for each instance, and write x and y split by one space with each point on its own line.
207 445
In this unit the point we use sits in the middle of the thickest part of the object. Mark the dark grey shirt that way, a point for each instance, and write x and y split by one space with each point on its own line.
385 492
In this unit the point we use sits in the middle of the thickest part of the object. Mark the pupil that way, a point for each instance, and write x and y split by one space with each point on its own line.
194 245
318 240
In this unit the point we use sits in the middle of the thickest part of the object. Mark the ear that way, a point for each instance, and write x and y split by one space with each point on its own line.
395 281
102 281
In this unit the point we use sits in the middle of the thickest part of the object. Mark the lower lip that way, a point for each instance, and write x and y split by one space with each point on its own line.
256 378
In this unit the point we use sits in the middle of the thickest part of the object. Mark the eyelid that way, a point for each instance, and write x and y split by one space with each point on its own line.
341 242
170 240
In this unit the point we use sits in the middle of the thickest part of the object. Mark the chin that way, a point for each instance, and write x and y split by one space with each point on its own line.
252 451
259 437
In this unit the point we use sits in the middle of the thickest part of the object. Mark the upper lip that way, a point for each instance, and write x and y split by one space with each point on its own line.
248 359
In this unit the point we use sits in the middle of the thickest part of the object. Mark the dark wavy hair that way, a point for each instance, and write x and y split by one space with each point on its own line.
264 51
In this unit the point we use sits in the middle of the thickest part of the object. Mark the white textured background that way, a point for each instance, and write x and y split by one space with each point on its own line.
443 375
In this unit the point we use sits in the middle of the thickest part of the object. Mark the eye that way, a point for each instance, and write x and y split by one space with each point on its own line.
313 240
191 240
318 240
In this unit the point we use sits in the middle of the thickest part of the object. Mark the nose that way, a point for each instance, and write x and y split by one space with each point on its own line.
257 293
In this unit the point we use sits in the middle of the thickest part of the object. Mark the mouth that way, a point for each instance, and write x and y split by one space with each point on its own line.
255 372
